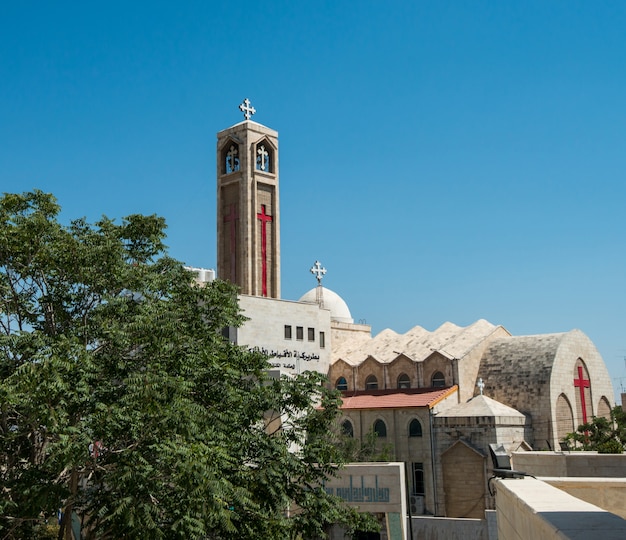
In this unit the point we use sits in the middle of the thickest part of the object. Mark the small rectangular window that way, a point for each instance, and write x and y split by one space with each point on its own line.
311 334
322 340
299 333
230 333
287 331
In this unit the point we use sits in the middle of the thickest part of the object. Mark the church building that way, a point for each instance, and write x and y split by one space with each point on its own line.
437 398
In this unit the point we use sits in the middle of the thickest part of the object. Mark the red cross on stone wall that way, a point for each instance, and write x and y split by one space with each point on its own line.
232 219
582 384
264 218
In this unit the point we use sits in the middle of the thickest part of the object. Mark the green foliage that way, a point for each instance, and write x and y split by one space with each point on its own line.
601 435
366 449
106 343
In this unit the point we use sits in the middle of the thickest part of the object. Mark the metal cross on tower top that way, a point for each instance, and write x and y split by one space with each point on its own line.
481 385
318 271
247 109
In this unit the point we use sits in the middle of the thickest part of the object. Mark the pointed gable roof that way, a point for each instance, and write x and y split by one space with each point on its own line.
416 344
482 406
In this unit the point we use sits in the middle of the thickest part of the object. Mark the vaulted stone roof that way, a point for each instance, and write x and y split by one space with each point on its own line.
519 362
417 344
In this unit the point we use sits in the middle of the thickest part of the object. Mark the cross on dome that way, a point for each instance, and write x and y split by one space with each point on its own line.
318 271
247 109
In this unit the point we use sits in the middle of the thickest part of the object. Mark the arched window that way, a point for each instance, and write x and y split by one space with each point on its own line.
604 409
264 157
347 429
564 417
341 384
380 428
415 428
404 381
582 391
230 157
371 383
438 380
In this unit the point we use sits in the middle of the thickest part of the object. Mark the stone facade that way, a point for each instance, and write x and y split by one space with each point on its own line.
414 447
450 355
248 212
463 470
532 377
536 375
462 461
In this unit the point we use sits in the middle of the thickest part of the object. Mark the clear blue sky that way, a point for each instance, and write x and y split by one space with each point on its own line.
443 160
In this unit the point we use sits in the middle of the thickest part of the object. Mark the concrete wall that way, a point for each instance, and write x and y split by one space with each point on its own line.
570 464
378 488
529 509
607 493
432 528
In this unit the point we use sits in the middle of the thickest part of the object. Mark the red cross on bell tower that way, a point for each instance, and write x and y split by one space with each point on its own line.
265 219
248 211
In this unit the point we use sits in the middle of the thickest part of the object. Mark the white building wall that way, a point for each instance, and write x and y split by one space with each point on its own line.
265 329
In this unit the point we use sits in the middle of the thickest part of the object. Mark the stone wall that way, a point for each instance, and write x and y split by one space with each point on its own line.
476 433
469 364
387 374
463 470
530 373
577 347
402 447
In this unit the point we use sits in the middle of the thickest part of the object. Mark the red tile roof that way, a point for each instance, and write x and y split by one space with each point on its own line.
396 398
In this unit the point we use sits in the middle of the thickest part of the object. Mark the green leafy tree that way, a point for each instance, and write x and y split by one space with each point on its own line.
606 436
122 405
353 449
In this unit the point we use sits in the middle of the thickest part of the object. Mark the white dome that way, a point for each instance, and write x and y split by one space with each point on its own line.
332 301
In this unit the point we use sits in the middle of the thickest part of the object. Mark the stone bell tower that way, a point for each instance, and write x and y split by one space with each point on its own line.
248 217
